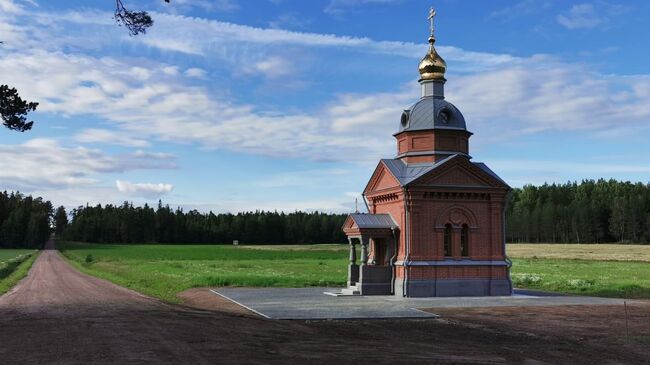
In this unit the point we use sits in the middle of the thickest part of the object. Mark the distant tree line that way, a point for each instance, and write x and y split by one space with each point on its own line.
133 224
24 221
588 212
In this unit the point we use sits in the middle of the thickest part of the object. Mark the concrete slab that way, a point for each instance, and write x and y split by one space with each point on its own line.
312 303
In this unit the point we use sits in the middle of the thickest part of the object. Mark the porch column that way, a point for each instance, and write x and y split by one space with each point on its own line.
353 268
364 251
353 252
373 258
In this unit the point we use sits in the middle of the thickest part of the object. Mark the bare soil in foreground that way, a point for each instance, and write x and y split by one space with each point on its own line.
59 315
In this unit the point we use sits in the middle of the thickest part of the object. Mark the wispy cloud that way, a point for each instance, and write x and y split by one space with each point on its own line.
105 136
524 7
289 20
204 5
590 15
148 190
338 7
309 178
234 44
195 72
530 171
45 164
10 7
581 16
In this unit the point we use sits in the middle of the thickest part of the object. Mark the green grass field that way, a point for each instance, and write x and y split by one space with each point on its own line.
10 253
584 277
14 265
164 270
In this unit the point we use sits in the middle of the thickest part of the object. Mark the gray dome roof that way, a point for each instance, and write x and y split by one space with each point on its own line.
432 113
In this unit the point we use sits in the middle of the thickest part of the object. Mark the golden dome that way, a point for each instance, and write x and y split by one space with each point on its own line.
432 66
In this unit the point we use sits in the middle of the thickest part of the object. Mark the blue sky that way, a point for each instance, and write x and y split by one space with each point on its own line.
232 105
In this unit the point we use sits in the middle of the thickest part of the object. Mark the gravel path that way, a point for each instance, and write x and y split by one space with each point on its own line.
86 319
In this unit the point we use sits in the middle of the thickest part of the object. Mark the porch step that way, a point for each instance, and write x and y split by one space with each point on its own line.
349 291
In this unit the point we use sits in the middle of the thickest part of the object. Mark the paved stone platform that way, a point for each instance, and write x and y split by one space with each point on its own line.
312 303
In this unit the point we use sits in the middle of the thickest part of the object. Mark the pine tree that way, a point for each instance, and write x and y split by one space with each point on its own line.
60 220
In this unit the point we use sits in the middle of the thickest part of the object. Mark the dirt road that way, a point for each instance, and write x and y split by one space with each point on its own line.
59 315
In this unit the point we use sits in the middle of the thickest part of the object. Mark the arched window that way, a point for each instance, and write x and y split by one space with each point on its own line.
464 241
447 239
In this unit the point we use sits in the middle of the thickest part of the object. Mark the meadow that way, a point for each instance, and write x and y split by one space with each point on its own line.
165 270
572 251
7 254
14 265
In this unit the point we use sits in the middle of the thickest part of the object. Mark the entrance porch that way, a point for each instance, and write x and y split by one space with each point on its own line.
376 234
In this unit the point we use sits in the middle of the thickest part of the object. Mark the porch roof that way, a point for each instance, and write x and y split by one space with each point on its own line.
373 221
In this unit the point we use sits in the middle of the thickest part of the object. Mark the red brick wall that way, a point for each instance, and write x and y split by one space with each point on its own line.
429 140
430 216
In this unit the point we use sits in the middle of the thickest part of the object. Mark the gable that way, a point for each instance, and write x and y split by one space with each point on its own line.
381 179
349 223
459 172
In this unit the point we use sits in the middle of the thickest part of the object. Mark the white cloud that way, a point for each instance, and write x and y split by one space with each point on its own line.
306 179
154 105
170 70
370 112
290 20
337 7
202 35
519 172
105 136
10 7
568 97
568 168
581 16
45 164
524 7
205 5
274 67
195 72
143 189
235 43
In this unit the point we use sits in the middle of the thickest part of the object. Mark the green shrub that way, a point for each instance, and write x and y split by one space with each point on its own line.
525 279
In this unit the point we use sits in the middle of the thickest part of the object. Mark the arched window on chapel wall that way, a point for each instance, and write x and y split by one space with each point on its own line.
447 240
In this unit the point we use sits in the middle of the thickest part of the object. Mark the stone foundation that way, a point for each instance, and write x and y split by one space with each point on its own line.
455 288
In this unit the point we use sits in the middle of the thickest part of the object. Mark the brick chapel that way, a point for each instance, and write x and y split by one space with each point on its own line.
436 219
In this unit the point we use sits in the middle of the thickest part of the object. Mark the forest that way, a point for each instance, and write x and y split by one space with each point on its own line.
134 224
587 212
24 221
